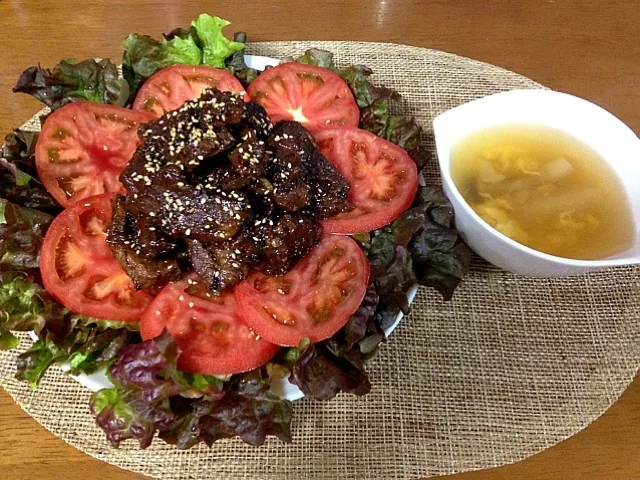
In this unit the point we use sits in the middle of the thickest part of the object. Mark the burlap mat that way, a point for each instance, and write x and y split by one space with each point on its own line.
511 366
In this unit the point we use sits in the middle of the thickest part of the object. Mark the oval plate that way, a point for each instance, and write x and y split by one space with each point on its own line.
284 389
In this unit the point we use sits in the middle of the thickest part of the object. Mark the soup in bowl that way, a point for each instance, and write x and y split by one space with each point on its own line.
542 183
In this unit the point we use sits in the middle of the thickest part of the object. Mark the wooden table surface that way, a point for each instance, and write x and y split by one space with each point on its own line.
589 48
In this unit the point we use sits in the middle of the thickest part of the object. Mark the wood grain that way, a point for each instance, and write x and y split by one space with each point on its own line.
589 48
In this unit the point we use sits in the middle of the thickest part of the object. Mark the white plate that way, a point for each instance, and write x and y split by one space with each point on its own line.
98 380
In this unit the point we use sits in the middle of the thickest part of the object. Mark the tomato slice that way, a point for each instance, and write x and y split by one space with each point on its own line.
83 147
313 300
172 86
208 330
79 270
314 96
383 178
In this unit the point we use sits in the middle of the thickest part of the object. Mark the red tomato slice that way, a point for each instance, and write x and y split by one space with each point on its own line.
314 299
172 86
208 330
83 147
314 96
79 270
383 178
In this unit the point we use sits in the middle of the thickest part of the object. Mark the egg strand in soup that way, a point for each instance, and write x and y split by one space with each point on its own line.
545 189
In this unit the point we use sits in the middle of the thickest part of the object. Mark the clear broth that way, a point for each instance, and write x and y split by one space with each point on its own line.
544 189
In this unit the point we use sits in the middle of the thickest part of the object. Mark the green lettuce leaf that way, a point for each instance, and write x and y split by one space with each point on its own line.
150 395
32 364
183 50
142 57
125 414
87 344
20 307
91 80
216 48
8 340
202 44
92 344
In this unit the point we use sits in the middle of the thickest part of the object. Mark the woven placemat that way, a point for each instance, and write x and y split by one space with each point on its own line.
510 366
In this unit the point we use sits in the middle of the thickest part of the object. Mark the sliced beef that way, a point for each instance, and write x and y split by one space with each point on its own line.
220 109
329 188
297 162
145 180
290 195
221 265
149 240
282 243
146 271
247 162
194 132
203 214
256 119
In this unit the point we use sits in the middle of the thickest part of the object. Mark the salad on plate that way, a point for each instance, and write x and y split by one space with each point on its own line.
212 240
